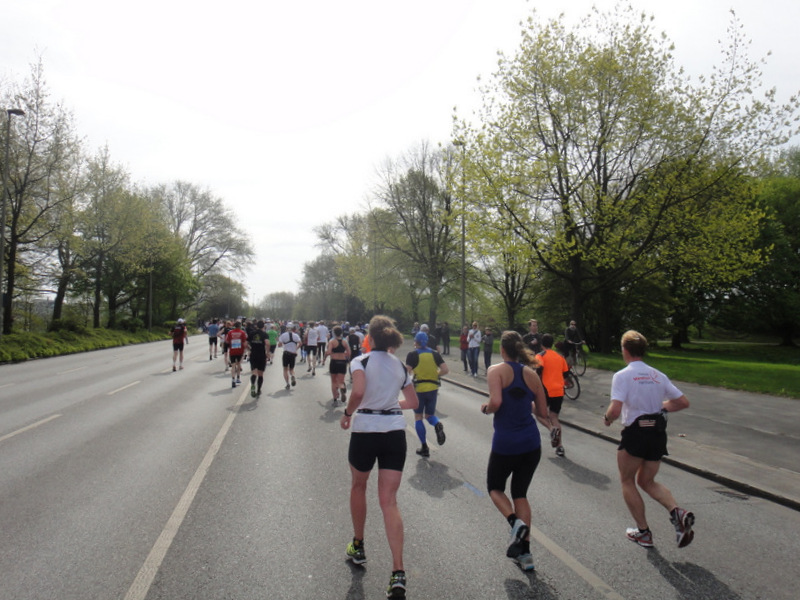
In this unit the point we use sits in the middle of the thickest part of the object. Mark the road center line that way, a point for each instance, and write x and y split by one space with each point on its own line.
587 575
28 428
144 579
124 387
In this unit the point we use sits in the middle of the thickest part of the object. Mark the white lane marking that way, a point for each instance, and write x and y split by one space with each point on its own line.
28 428
124 387
144 579
588 576
72 370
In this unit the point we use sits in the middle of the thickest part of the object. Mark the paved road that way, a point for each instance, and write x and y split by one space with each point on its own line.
121 479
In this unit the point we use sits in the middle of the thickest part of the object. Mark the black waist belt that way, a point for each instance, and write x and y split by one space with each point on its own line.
367 411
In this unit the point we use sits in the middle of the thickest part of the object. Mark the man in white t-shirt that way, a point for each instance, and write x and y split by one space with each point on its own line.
312 340
641 395
324 335
290 341
474 338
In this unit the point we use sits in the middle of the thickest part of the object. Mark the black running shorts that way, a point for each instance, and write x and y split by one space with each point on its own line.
258 363
646 443
554 404
388 448
338 367
520 467
289 359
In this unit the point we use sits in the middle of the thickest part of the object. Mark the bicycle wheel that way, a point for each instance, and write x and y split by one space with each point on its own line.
580 363
573 392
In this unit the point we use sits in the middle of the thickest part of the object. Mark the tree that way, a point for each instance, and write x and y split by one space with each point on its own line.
43 147
601 137
769 299
208 230
415 219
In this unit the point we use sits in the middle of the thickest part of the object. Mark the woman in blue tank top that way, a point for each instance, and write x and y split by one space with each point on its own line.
515 391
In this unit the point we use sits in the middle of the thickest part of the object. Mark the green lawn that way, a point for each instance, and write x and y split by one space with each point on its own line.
762 368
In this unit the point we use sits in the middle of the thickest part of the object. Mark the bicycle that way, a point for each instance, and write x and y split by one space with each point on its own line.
577 362
572 385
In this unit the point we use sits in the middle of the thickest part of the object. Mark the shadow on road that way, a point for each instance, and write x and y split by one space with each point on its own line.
580 474
432 477
690 580
537 588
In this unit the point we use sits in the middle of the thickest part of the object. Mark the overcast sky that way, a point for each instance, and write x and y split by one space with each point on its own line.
286 110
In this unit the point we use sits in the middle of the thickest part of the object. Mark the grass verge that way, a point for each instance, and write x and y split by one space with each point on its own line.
760 368
17 347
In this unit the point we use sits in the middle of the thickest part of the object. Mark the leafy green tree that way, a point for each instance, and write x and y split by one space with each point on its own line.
415 219
43 148
769 299
600 135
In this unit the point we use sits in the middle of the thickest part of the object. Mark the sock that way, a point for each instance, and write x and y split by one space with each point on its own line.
433 420
260 381
358 543
252 379
512 518
420 426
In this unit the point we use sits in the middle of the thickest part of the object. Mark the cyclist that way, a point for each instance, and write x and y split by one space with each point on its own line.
573 339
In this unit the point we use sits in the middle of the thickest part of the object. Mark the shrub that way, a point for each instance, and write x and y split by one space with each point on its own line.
67 324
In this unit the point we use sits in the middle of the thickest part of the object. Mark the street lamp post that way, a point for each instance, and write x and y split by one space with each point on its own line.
9 112
463 147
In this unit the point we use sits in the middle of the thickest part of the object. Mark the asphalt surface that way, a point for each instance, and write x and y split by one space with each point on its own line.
748 442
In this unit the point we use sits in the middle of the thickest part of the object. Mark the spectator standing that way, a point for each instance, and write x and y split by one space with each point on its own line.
488 347
533 338
474 347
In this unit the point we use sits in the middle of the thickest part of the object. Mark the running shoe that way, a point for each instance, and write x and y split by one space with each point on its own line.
173 368
440 436
683 521
233 383
518 534
288 386
397 585
525 561
356 553
253 390
555 437
560 451
424 451
643 538
209 357
238 380
294 381
308 370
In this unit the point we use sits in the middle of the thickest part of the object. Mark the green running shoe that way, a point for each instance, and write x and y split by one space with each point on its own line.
356 553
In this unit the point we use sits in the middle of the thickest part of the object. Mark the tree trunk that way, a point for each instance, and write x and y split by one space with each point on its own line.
61 293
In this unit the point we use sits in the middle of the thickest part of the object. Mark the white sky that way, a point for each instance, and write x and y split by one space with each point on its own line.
285 110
